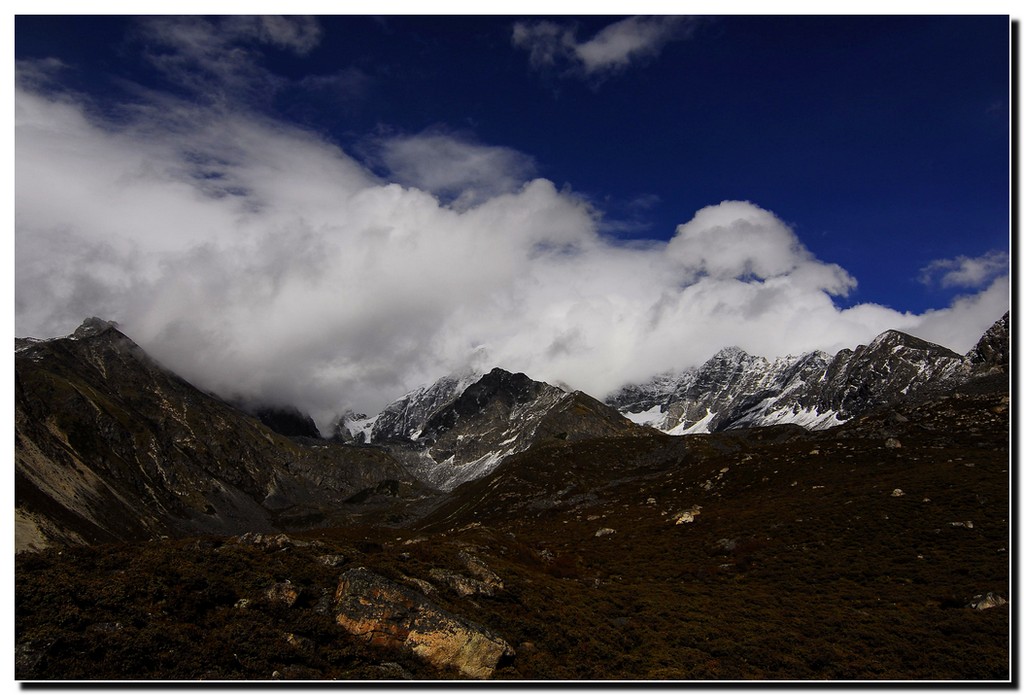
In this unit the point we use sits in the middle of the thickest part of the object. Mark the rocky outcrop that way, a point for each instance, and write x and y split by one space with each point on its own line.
461 584
389 615
982 602
992 353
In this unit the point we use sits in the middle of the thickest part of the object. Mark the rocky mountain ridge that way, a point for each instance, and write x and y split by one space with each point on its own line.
734 389
450 440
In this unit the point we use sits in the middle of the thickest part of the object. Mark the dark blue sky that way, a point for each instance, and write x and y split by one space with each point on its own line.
883 141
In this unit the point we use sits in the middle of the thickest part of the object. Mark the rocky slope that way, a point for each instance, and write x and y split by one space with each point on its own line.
111 446
405 418
448 441
992 353
875 550
734 389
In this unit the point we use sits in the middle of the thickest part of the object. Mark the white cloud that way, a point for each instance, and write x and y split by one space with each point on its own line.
619 44
261 261
612 49
299 34
960 325
452 167
218 58
739 239
964 271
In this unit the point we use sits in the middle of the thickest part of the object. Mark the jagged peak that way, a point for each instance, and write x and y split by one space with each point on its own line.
731 352
892 338
94 326
733 357
814 357
499 373
501 380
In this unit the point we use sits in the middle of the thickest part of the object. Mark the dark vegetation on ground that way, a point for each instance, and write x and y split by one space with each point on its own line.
851 553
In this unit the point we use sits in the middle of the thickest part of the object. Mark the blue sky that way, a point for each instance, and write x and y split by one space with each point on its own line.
868 155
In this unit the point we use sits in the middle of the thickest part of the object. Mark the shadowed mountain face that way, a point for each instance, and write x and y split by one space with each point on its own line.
110 446
288 421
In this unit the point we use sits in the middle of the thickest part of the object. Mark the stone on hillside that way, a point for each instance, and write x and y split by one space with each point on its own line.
283 592
893 443
985 601
299 642
481 571
389 615
331 560
687 516
269 541
604 532
897 493
462 585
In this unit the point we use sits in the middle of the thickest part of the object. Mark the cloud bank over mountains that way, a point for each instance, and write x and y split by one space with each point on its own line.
261 261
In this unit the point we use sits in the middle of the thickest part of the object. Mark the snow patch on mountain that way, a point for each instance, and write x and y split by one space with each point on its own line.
652 417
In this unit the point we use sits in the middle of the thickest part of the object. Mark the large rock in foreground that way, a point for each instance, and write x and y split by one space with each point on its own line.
390 615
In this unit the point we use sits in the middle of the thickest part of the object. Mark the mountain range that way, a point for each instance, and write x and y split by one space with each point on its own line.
815 390
110 445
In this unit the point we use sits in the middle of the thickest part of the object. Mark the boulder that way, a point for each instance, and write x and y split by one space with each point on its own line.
387 614
687 516
283 592
985 601
481 571
331 560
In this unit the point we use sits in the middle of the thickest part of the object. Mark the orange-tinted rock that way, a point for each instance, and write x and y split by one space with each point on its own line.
388 614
